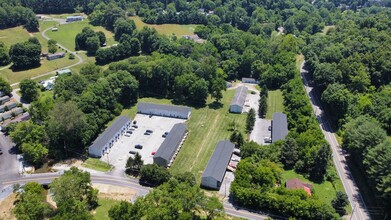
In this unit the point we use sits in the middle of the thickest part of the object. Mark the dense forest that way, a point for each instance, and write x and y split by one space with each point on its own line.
349 64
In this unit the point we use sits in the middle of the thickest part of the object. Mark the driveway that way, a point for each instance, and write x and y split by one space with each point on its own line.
9 164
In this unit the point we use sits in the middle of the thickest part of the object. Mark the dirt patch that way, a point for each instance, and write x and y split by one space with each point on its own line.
6 207
115 192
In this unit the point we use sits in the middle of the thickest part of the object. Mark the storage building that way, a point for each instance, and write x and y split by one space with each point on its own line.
238 100
279 126
63 71
4 99
215 170
173 111
249 80
74 18
170 145
106 140
55 56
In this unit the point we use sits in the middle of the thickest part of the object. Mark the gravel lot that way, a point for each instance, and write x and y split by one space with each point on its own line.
119 153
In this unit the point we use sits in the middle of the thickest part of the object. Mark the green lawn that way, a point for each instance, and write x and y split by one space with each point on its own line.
325 191
167 29
66 33
207 126
97 164
275 103
14 35
102 212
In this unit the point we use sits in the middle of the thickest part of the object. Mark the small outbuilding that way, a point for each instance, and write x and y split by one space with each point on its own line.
63 71
4 99
74 18
107 139
298 184
279 126
238 100
249 80
55 56
215 170
170 145
173 111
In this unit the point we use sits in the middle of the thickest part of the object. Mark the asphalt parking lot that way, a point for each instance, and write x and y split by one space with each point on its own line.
229 177
119 153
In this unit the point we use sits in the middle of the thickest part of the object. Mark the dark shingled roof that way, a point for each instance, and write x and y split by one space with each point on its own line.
143 106
219 160
279 126
171 143
103 138
240 96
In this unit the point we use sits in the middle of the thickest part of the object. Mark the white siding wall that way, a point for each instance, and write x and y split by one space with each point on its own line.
164 113
209 182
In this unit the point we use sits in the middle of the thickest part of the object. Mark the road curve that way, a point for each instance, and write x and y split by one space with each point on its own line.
80 59
357 203
46 178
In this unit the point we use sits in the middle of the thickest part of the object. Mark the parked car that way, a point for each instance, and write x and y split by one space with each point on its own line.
134 122
131 129
129 132
237 151
134 126
1 151
235 160
269 128
267 139
153 153
132 152
138 146
166 133
149 131
150 116
127 135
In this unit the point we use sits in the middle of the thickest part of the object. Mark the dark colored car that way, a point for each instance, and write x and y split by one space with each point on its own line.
1 151
135 126
129 132
132 152
134 122
269 128
149 131
138 146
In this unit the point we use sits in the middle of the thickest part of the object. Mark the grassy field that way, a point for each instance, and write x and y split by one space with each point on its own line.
167 29
274 103
97 164
66 33
325 191
14 35
102 212
207 126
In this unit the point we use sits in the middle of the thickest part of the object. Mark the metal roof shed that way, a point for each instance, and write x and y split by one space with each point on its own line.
238 100
279 126
109 136
215 170
167 149
4 99
164 110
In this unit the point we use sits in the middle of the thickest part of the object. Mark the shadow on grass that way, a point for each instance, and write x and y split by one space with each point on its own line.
215 105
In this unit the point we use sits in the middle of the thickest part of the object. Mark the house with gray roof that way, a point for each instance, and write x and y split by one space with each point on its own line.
238 100
279 126
107 139
4 99
170 145
215 170
249 80
173 111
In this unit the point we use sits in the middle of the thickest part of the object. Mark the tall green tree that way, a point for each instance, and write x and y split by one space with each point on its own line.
29 90
123 26
340 202
250 120
4 58
289 153
5 86
25 55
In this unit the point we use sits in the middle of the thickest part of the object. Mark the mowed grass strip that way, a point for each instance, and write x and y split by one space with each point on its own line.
167 29
207 126
275 103
14 35
96 164
66 33
102 211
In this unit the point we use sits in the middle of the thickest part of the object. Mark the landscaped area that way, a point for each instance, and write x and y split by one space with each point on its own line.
167 29
96 164
275 103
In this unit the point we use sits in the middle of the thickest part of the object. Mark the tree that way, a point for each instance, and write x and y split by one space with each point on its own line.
321 160
262 107
25 55
289 152
28 132
123 26
336 98
72 209
237 138
5 86
153 174
121 211
92 45
29 90
134 164
212 207
74 188
39 109
340 202
4 58
218 85
52 45
31 202
102 38
34 153
250 120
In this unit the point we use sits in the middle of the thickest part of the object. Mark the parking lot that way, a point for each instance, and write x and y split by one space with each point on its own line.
119 153
229 176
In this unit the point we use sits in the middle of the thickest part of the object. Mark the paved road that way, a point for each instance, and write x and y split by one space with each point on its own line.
9 165
359 208
46 178
80 59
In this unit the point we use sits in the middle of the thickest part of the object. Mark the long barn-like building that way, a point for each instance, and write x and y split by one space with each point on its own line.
170 145
279 126
173 111
237 103
106 140
215 170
